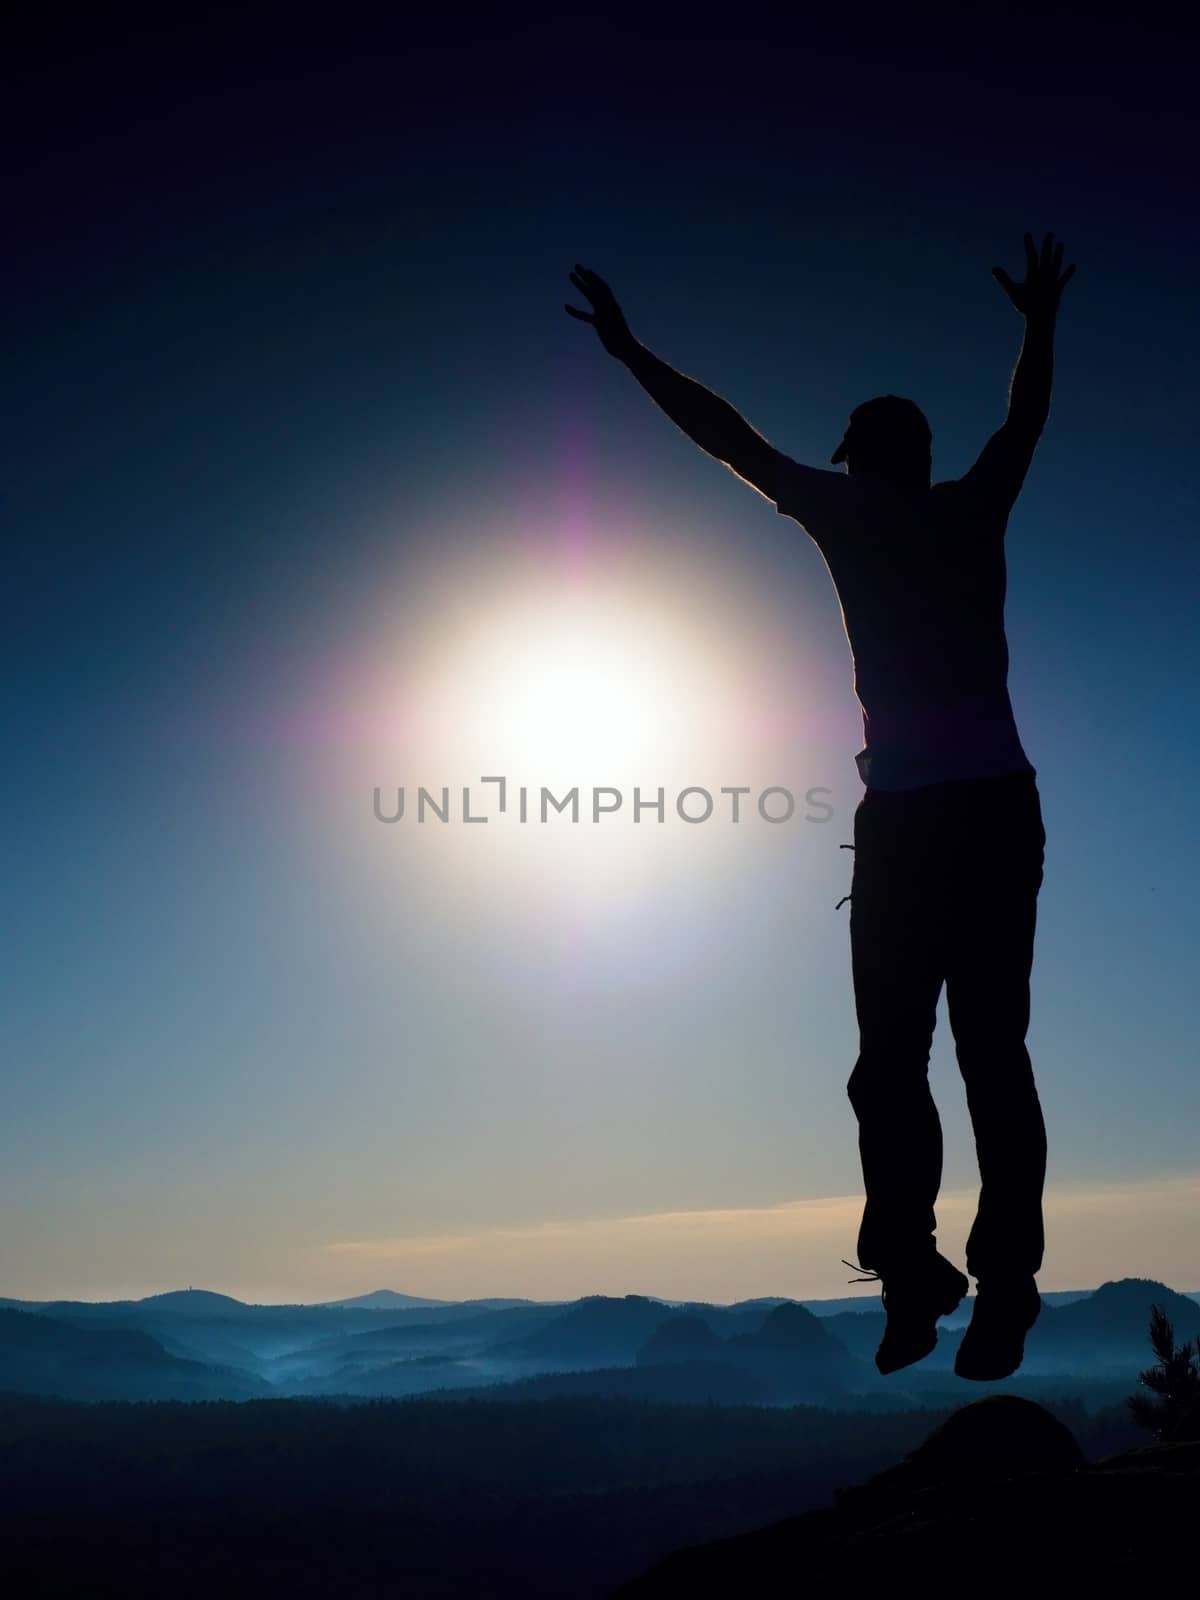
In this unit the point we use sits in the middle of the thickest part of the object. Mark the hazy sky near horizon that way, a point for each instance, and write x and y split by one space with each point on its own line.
315 488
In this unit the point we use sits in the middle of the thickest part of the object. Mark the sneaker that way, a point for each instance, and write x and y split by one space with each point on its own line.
993 1346
915 1296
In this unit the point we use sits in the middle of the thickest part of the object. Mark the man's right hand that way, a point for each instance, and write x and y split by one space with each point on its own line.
605 316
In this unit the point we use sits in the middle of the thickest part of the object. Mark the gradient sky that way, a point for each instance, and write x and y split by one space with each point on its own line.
314 487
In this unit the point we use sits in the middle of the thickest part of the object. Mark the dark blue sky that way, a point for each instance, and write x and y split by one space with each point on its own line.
285 322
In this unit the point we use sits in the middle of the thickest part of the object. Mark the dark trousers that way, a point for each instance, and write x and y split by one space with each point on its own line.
944 890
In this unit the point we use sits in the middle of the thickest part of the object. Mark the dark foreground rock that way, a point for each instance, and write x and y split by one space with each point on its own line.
999 1494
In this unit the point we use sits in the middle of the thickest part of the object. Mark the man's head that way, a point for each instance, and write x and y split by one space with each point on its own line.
888 438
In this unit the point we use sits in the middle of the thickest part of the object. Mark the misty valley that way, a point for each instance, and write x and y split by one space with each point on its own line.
391 1444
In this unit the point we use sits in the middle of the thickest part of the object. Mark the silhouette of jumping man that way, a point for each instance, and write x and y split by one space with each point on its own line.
948 836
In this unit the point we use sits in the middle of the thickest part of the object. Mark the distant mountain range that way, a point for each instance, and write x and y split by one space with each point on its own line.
195 1344
389 1300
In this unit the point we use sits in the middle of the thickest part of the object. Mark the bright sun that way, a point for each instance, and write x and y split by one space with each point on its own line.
585 699
578 688
636 679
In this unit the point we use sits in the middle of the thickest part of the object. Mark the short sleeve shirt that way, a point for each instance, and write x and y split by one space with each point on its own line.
920 575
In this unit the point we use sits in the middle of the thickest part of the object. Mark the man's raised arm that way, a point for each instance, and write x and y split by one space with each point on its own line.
712 422
1004 461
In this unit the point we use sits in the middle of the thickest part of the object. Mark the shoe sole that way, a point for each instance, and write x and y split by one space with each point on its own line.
988 1375
945 1307
887 1369
984 1374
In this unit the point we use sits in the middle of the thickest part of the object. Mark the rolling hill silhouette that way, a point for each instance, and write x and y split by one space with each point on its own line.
767 1351
598 1329
390 1300
42 1355
685 1338
1000 1489
384 1300
1110 1325
791 1354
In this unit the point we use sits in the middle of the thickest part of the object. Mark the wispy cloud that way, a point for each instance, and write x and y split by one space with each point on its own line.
1096 1231
789 1217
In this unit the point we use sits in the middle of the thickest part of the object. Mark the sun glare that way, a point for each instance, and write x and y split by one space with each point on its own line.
632 677
588 695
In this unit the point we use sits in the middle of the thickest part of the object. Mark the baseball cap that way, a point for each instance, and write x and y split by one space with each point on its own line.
883 418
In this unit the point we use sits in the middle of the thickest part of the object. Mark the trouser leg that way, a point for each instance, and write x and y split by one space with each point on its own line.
990 955
896 963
